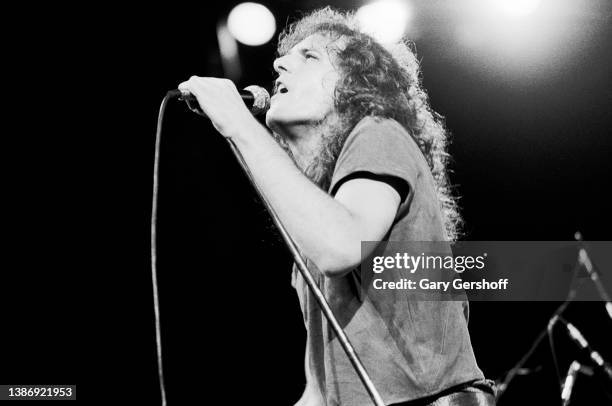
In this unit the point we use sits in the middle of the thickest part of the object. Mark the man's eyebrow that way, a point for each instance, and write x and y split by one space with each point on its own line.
305 49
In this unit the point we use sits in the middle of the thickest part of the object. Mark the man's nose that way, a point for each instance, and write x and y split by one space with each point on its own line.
281 64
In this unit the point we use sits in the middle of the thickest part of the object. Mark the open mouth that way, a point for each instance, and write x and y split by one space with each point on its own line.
280 88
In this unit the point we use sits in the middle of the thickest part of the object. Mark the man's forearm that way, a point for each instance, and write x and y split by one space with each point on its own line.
321 226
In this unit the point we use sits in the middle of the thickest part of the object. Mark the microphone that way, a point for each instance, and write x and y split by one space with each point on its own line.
570 379
569 382
256 98
575 334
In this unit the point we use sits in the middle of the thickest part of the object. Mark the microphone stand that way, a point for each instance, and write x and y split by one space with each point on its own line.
301 265
585 260
579 339
503 386
299 261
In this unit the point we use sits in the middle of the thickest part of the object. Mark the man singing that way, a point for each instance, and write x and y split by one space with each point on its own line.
356 154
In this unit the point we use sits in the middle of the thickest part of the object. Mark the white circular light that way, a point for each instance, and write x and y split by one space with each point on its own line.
251 23
385 20
518 8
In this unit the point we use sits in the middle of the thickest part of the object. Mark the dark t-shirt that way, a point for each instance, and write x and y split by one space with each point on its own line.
410 348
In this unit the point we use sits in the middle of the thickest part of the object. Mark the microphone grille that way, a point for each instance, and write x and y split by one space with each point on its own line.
261 102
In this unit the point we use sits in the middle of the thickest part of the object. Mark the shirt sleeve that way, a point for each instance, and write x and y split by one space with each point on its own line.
379 149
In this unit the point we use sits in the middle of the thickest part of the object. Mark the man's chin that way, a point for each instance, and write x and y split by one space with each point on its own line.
276 125
270 121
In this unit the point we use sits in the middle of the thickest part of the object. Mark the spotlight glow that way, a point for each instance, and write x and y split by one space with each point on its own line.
251 23
517 8
522 38
385 20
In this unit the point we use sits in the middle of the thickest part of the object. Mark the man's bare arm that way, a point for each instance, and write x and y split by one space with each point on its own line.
328 230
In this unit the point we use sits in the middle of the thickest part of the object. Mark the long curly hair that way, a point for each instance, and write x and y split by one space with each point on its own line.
380 81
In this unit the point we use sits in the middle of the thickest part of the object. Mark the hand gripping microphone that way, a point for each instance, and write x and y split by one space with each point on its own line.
256 98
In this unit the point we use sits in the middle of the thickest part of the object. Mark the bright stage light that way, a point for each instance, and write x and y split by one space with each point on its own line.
517 8
251 23
522 38
385 20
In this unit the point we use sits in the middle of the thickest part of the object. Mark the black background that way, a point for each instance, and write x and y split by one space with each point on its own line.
531 162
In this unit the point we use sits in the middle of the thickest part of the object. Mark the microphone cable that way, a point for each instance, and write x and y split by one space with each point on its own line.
158 344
